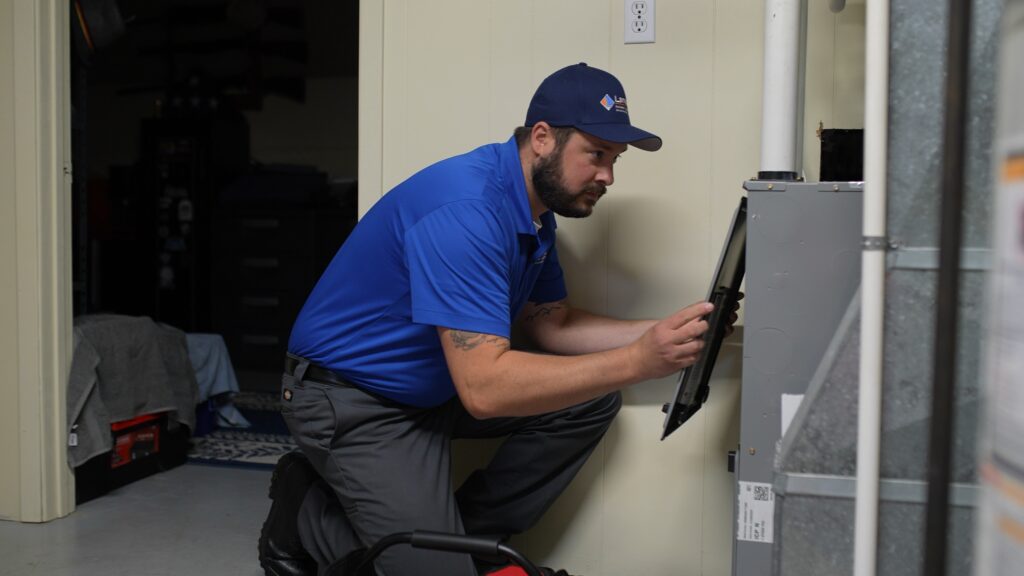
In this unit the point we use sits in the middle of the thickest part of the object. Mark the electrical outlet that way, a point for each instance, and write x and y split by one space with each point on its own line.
639 21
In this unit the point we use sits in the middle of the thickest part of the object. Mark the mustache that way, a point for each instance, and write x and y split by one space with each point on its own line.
599 189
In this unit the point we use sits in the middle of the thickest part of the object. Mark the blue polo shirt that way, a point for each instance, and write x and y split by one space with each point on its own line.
453 246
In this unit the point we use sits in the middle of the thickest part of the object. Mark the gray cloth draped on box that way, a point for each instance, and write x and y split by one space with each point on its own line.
124 367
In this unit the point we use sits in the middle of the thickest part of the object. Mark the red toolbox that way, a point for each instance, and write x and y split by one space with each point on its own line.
142 446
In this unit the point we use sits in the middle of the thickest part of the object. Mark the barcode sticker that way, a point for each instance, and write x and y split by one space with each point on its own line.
755 512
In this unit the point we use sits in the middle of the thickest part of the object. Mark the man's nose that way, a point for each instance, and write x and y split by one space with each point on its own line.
606 176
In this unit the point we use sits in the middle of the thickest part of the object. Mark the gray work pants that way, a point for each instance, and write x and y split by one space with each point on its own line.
387 469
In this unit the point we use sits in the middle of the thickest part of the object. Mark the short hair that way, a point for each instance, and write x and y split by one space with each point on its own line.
561 133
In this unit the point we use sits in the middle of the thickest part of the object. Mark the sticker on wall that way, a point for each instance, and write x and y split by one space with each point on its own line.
755 512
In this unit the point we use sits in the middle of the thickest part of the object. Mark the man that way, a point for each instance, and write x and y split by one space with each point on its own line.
404 345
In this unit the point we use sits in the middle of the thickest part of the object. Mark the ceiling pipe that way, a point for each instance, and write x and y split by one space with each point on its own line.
872 327
779 113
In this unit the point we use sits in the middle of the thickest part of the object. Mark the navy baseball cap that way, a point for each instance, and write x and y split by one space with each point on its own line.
590 100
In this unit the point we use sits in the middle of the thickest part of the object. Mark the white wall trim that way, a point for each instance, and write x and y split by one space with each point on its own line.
42 266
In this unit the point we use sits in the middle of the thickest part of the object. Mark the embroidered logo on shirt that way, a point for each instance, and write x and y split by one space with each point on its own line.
541 259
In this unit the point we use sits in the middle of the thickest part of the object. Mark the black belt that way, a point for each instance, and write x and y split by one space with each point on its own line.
315 373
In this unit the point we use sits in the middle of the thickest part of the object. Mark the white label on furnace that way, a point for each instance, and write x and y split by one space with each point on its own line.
755 512
790 404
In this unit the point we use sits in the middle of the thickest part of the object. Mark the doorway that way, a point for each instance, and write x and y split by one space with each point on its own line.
218 144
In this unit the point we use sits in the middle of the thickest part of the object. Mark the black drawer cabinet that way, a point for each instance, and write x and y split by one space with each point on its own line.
266 261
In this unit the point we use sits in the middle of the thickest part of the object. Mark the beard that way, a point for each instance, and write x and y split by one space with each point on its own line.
549 184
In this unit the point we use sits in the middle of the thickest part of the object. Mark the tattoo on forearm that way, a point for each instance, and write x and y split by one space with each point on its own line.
543 311
469 340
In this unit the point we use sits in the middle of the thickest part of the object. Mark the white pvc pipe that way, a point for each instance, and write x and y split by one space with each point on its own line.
869 416
779 120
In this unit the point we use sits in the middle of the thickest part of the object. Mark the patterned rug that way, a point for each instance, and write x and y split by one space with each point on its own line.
258 446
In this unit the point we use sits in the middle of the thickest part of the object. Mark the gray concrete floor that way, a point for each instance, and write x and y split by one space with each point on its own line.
192 520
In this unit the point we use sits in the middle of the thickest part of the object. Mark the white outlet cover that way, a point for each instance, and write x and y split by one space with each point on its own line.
638 21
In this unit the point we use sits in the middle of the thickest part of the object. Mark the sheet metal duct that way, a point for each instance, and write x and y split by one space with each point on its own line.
814 479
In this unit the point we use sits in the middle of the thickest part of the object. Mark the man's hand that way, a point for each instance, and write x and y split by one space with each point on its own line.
492 380
733 317
673 343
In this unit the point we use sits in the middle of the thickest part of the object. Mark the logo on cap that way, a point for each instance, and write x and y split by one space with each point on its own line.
618 102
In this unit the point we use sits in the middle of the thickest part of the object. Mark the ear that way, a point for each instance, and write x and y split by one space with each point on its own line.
542 139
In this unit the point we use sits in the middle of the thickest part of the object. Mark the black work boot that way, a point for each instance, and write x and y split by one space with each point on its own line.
281 552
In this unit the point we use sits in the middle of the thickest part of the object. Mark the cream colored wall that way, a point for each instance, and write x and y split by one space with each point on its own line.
10 419
835 75
441 77
35 285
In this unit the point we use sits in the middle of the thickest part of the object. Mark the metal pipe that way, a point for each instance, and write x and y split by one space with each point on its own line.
944 360
779 121
869 412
